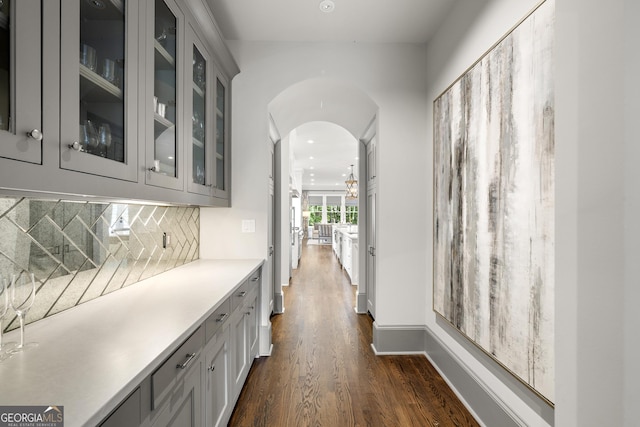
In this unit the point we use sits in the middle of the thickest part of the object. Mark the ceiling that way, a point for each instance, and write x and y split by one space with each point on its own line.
325 162
361 21
364 21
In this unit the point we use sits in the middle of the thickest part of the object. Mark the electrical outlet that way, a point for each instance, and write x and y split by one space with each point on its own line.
166 240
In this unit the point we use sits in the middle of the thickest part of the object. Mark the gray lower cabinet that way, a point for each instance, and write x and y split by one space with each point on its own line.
176 386
127 414
199 383
244 331
253 325
239 358
183 408
217 401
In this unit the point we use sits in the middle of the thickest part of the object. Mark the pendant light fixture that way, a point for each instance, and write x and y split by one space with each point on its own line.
352 186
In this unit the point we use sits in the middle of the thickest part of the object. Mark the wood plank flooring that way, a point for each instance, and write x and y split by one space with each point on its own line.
323 372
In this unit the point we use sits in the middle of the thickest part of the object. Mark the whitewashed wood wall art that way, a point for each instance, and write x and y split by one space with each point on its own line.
494 202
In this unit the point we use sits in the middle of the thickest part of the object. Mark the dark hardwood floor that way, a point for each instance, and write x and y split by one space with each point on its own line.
323 372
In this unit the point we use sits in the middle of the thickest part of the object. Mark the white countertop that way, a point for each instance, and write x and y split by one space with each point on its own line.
347 233
92 356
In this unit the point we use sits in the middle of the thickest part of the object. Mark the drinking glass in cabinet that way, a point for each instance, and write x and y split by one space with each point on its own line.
102 72
165 89
104 139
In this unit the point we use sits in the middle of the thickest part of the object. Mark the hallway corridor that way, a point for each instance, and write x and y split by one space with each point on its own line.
322 371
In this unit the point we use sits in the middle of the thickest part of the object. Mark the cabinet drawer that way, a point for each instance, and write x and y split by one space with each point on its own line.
174 368
217 319
254 279
239 295
127 414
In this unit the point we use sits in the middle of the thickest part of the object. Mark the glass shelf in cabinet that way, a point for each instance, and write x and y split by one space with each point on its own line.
198 90
95 88
162 121
198 143
164 60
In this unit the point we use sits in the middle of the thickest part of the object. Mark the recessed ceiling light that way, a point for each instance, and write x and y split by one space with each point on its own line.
310 157
357 158
311 168
313 174
344 174
310 141
327 6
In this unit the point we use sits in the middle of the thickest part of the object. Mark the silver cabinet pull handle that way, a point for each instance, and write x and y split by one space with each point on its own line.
184 364
255 279
222 317
242 294
35 134
212 368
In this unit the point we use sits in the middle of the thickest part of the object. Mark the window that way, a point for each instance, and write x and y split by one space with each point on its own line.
334 205
351 214
315 214
333 214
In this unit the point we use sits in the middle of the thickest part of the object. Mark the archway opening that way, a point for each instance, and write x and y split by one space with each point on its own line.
330 105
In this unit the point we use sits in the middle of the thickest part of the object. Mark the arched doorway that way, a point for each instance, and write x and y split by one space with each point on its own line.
344 105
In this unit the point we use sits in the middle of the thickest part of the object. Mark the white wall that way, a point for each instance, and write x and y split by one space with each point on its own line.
631 214
597 100
597 199
393 76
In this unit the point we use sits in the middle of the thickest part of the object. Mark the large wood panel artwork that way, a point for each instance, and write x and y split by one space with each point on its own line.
494 202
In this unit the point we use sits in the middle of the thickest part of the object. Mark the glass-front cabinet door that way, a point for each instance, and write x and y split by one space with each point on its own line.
20 77
200 100
164 96
98 87
221 181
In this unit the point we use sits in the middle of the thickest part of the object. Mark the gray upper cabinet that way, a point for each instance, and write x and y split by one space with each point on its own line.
99 50
222 138
117 99
199 103
164 98
20 66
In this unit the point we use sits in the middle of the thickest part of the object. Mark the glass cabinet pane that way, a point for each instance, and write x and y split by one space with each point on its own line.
165 90
102 78
5 65
221 134
199 117
20 76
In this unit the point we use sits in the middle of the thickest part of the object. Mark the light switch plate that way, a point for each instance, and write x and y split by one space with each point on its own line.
248 225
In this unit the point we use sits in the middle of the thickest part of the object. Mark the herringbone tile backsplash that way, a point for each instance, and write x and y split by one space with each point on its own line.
79 251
